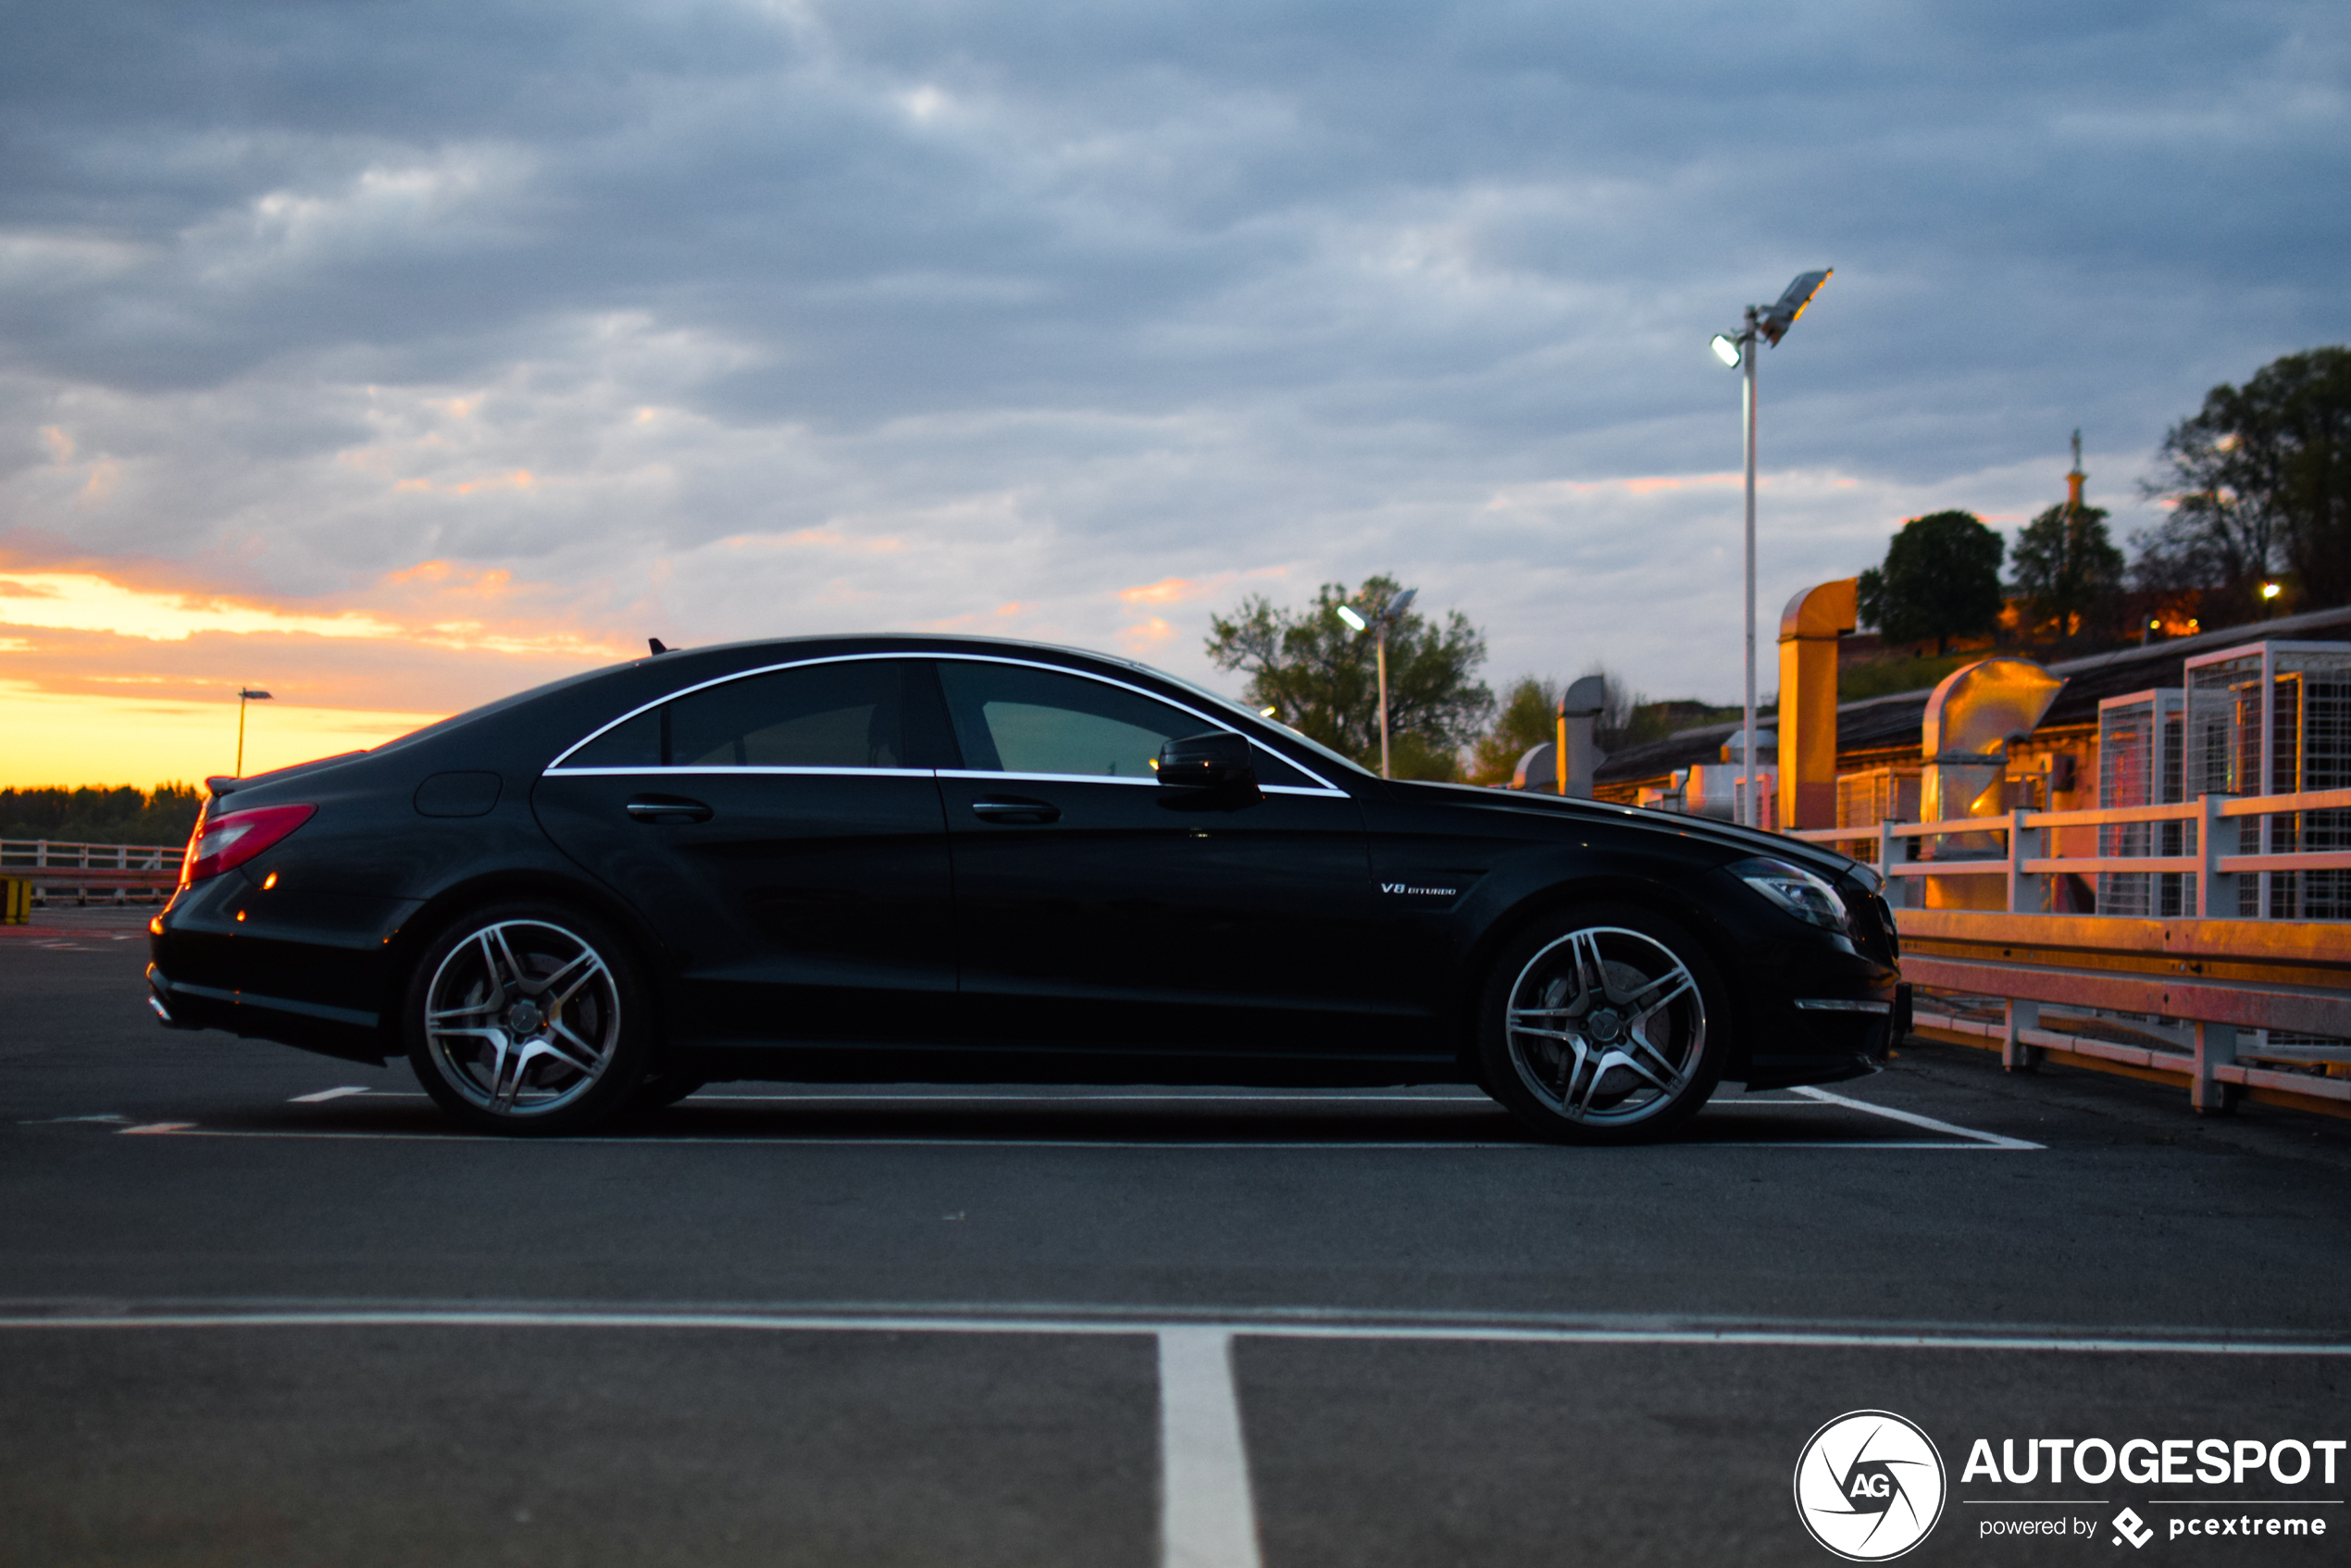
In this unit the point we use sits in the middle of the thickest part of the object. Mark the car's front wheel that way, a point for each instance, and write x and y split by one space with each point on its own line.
527 1018
1603 1024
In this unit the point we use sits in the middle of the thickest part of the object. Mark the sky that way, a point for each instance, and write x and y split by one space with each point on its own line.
391 358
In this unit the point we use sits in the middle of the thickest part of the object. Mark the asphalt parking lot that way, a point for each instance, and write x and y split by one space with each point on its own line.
266 1307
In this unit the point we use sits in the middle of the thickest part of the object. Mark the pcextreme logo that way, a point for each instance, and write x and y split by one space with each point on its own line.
1870 1485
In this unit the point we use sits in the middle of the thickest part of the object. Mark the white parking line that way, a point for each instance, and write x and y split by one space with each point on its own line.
1989 1139
1176 1098
1207 1512
1336 1144
2102 1340
1207 1517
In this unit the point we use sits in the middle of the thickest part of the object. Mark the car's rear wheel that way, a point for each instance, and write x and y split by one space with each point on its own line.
527 1018
664 1088
1603 1024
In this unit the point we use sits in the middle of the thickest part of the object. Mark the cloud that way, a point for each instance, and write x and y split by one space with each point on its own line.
742 319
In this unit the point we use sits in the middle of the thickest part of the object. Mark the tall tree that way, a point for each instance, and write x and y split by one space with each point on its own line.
1527 718
2259 477
2069 572
1319 675
1941 579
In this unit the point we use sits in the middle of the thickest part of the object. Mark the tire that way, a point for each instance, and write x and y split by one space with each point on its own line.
662 1089
527 1018
1626 1060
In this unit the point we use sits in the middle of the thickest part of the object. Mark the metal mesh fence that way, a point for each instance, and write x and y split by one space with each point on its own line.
2142 762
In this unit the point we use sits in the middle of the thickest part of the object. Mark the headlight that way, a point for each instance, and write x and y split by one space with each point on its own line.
1798 891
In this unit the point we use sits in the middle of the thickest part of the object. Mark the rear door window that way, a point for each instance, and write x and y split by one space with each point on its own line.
845 714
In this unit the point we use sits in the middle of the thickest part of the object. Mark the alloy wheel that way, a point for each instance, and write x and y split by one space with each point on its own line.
522 1017
1606 1027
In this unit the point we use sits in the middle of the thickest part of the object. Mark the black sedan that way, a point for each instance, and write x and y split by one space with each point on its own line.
899 858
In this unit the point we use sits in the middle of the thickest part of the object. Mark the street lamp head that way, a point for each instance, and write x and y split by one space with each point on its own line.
1728 349
253 696
1396 608
1347 613
1781 316
2271 590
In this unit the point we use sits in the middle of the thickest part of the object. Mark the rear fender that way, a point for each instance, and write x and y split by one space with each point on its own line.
407 945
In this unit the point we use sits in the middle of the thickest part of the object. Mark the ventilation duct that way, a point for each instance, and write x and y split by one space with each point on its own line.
1969 721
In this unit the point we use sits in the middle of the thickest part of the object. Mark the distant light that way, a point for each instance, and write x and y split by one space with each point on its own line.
2155 626
2271 590
1346 613
1726 349
1270 710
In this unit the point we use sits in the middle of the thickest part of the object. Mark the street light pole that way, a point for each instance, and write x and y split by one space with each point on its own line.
1769 325
1751 809
245 695
1389 613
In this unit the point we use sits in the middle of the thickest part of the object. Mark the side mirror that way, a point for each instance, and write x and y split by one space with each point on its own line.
1218 760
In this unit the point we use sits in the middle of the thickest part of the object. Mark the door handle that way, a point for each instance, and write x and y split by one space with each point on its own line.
668 808
1013 808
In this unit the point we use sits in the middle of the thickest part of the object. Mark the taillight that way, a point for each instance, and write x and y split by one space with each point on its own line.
223 843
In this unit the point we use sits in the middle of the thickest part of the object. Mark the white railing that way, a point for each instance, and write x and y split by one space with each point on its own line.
56 867
2223 1005
2027 863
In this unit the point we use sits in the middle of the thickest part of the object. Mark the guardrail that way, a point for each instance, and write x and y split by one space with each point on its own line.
52 868
2028 865
2204 994
2223 979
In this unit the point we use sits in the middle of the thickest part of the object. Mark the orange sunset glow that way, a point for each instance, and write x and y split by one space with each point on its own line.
109 680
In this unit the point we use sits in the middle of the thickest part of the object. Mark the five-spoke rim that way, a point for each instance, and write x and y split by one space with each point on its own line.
522 1017
1605 1025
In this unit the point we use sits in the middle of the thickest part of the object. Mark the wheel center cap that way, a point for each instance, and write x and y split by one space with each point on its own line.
1605 1025
524 1019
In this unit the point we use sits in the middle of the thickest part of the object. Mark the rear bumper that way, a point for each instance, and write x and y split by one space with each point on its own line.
347 1033
307 972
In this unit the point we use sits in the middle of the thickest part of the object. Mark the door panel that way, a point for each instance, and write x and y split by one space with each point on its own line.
771 831
1095 910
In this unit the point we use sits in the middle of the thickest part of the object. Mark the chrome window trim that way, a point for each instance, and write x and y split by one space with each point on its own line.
979 775
704 686
729 767
1838 1004
972 774
556 768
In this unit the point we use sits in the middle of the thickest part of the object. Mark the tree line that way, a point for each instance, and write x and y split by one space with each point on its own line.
96 815
2257 485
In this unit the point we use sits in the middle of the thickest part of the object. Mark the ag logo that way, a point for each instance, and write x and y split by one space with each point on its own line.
1869 1485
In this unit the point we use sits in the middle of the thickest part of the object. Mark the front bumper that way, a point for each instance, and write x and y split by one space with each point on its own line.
1819 1016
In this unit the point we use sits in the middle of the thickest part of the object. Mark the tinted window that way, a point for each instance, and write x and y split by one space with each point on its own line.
634 744
1013 718
862 713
